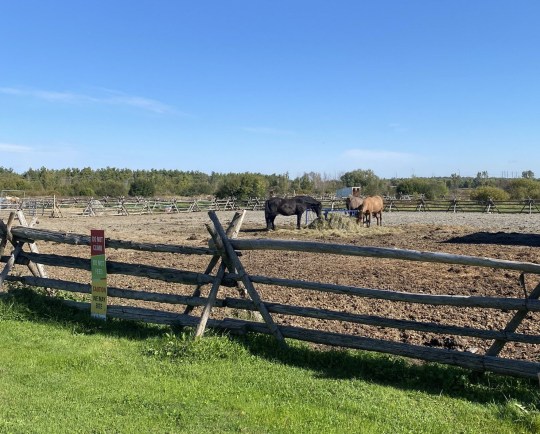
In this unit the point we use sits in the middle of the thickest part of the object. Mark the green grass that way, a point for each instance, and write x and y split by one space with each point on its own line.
62 372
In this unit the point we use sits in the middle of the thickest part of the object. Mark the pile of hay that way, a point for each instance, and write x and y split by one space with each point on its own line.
336 222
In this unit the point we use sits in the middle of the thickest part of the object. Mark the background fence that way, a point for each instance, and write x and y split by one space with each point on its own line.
84 206
225 251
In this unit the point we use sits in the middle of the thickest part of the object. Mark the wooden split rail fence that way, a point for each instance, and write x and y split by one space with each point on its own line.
54 207
225 252
526 206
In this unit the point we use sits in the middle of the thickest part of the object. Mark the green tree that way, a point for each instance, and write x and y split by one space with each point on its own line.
279 184
242 186
303 184
528 174
455 180
370 183
112 187
482 178
142 187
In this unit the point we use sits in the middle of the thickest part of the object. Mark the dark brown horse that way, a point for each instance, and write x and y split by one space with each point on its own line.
293 206
354 204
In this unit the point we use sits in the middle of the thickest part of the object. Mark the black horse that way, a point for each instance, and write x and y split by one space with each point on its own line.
296 205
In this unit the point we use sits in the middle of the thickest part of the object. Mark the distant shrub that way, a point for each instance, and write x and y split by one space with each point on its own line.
431 189
524 188
486 192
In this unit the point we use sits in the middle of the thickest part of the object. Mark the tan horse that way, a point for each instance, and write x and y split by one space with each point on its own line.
372 206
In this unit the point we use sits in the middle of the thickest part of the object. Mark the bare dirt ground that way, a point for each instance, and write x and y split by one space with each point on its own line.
502 236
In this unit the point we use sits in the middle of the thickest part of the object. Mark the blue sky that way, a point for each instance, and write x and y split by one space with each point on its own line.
425 88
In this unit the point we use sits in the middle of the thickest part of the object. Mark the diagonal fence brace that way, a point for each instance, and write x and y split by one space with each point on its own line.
211 301
513 324
7 236
233 257
232 231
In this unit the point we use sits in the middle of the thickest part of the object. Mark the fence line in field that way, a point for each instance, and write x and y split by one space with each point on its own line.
225 248
90 207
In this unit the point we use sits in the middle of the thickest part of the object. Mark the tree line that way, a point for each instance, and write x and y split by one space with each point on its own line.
151 183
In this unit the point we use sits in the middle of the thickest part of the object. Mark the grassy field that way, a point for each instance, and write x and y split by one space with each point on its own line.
62 372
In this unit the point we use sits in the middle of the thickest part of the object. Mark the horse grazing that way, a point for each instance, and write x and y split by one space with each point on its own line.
296 205
354 203
372 206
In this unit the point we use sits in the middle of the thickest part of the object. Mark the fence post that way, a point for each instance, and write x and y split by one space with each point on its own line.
10 263
7 228
33 246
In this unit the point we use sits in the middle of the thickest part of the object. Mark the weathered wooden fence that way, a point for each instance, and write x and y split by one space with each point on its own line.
225 249
84 206
528 206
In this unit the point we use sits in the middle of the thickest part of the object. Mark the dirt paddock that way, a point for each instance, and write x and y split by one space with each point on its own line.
513 237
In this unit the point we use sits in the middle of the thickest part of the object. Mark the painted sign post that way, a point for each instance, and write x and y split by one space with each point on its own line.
98 263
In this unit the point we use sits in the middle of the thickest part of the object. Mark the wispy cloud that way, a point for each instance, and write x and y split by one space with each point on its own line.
397 127
15 149
371 156
266 130
110 98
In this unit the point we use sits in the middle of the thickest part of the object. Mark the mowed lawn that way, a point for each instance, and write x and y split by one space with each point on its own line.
62 372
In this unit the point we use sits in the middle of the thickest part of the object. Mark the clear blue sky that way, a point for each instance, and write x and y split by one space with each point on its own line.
402 87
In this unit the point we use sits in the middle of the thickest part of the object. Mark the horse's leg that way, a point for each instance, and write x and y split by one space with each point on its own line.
298 220
269 223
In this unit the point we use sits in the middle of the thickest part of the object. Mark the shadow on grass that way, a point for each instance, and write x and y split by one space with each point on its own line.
27 304
398 372
501 238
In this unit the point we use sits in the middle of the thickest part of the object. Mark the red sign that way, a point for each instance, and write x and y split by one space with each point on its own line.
97 242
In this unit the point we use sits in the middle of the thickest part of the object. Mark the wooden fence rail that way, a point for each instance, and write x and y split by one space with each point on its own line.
233 274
